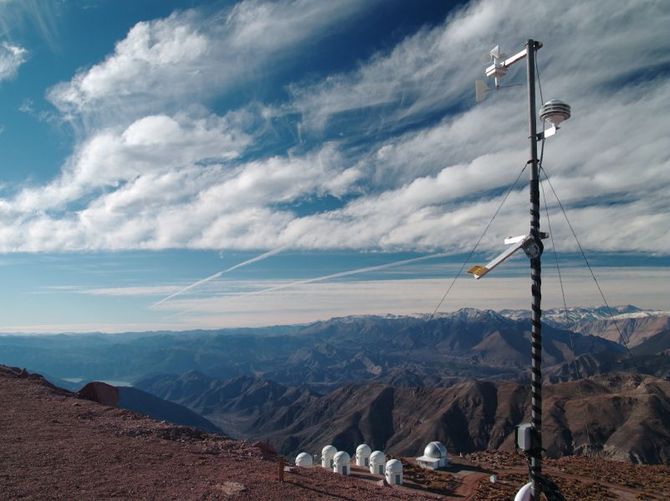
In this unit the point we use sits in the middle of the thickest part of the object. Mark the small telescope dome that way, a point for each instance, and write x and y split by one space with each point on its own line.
394 466
341 463
377 462
394 472
363 449
328 451
363 455
304 460
327 456
342 458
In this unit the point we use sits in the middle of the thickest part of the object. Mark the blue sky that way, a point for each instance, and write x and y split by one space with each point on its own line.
150 146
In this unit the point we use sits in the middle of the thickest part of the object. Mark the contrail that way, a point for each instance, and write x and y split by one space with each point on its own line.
255 259
218 274
346 274
319 279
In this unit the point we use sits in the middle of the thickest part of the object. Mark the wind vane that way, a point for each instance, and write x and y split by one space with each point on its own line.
529 435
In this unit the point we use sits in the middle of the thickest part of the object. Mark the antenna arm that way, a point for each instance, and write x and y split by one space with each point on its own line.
479 271
515 58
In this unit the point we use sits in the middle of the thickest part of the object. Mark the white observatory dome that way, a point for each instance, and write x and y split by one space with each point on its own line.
393 465
304 459
435 450
363 455
327 455
342 463
377 462
434 456
394 472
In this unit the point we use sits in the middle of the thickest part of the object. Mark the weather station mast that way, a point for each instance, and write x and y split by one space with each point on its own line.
529 435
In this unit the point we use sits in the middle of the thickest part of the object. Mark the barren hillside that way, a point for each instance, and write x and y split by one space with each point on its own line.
58 446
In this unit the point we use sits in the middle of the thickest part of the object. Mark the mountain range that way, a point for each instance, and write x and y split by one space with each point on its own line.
626 417
399 350
56 444
394 381
628 325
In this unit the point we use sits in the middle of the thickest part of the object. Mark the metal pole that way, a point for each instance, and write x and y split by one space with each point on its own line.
535 273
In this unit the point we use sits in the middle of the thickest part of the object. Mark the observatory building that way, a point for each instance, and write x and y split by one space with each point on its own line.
363 455
304 460
342 463
377 462
434 456
394 472
327 455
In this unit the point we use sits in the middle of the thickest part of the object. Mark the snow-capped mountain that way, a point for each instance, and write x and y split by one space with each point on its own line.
625 324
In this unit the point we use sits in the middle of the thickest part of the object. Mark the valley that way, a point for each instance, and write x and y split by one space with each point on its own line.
395 382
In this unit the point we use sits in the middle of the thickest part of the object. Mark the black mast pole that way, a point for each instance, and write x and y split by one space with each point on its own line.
536 287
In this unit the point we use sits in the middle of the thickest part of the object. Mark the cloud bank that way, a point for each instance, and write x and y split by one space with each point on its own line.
391 155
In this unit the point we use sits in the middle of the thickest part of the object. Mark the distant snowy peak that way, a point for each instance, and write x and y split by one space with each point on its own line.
472 314
557 317
461 315
581 314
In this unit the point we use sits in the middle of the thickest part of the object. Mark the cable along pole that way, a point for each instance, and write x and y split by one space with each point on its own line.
534 251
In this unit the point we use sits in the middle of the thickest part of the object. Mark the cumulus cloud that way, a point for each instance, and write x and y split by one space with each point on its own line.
402 179
191 56
11 58
152 149
177 188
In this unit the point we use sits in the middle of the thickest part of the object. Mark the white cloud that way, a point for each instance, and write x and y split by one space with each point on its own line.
11 58
436 69
148 148
610 156
27 106
169 179
179 190
190 56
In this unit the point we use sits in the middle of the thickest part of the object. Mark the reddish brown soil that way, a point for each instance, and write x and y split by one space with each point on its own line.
58 446
583 478
55 445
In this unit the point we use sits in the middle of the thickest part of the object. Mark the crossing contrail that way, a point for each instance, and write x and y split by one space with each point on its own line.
306 281
345 274
322 278
218 274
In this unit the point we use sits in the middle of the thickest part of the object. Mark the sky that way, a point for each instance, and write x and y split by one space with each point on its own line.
181 164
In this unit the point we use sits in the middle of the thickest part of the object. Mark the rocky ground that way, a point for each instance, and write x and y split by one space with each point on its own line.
583 478
56 445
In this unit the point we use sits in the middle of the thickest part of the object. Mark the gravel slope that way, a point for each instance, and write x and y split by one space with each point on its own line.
58 446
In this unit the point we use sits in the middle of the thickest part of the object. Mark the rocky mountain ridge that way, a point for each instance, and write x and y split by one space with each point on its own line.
326 354
625 417
136 400
627 325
